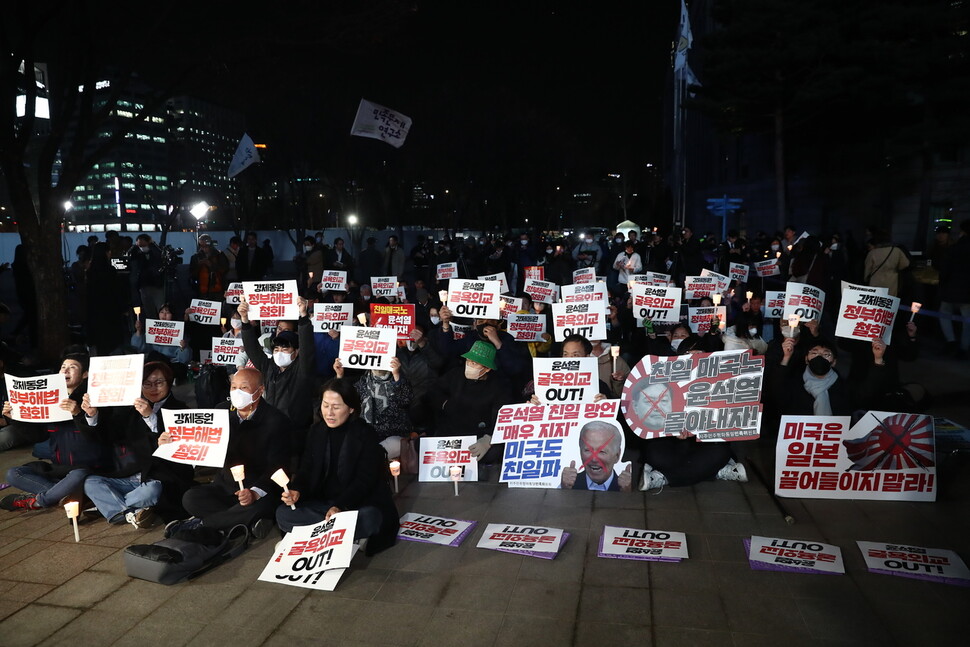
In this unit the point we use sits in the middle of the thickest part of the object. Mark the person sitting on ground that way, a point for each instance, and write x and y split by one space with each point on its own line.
343 468
574 346
744 334
177 356
385 399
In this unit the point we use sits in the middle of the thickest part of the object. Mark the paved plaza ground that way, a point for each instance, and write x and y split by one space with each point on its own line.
54 591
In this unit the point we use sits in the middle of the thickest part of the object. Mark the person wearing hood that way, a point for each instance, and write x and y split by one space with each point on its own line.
604 359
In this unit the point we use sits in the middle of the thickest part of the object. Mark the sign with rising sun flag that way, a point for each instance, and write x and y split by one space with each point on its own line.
884 456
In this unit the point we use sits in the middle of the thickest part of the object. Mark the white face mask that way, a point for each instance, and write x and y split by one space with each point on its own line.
775 248
308 248
472 373
435 320
548 250
240 399
282 359
834 246
753 332
675 343
235 323
381 375
411 344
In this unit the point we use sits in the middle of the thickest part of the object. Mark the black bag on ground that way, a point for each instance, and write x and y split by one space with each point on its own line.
184 555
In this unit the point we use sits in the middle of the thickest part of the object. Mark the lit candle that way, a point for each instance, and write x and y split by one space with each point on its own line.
395 472
615 352
455 476
792 324
281 479
631 283
311 277
777 254
748 295
72 508
238 474
914 308
137 310
716 298
223 322
443 296
362 318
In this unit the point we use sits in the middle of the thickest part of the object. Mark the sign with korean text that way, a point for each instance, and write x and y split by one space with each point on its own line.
396 316
333 281
527 327
474 299
584 293
199 436
701 320
429 529
37 399
699 287
767 268
509 305
542 291
863 288
586 319
885 456
234 293
370 348
500 277
656 303
164 333
528 540
460 330
803 300
225 350
713 396
205 312
917 562
447 271
738 272
794 556
584 276
115 380
774 304
331 316
438 455
268 327
314 556
383 286
722 281
565 379
272 299
537 272
866 316
650 545
377 122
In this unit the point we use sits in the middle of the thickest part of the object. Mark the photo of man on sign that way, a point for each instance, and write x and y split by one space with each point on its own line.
600 449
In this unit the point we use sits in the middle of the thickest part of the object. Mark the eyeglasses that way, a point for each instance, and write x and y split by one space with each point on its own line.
816 353
156 384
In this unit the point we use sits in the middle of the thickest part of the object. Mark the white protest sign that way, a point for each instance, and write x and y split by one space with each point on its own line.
377 122
884 456
383 286
565 379
246 154
527 327
115 380
866 316
199 436
429 529
722 281
794 556
474 299
863 288
272 299
738 272
774 304
268 327
234 293
658 278
225 350
541 291
205 356
650 545
447 271
803 300
331 316
314 556
37 399
371 348
531 541
767 268
437 455
656 303
586 319
333 281
917 562
498 276
164 333
460 330
698 287
509 305
583 276
583 293
700 319
205 312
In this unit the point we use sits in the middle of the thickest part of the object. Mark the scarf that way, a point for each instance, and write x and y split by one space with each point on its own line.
377 398
818 387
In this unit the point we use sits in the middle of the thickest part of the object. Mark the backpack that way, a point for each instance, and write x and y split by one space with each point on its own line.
185 555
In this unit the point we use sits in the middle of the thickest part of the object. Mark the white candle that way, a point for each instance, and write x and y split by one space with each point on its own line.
716 298
748 295
455 476
281 479
137 310
792 324
238 474
615 352
362 318
443 296
395 472
914 308
72 508
223 322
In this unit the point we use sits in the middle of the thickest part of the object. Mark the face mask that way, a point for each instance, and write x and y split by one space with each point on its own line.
144 250
240 399
753 332
834 247
668 264
381 375
548 250
435 320
508 244
235 323
819 366
775 248
675 343
282 359
366 298
617 240
471 373
411 345
308 248
481 331
523 242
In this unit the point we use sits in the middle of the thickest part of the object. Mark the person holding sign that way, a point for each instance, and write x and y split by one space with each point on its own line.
138 482
178 356
512 359
259 441
600 444
385 398
343 468
627 263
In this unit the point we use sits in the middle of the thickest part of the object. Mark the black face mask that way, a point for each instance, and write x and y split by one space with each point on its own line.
819 366
481 331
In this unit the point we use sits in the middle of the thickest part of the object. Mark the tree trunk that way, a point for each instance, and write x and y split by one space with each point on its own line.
780 197
47 267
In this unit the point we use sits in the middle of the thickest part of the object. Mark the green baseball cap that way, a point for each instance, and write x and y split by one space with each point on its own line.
483 353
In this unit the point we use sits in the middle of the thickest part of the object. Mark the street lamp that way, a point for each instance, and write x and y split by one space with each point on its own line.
198 211
351 220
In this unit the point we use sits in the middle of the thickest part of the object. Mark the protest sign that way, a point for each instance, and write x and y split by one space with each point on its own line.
884 456
738 272
699 287
268 327
559 379
333 281
650 545
164 333
714 396
589 292
199 436
429 529
474 299
272 299
225 350
509 305
437 455
383 286
864 288
656 303
793 556
541 291
402 294
561 445
803 300
234 293
205 312
500 277
205 356
774 304
460 330
396 316
446 271
537 272
917 562
331 316
584 276
586 319
371 348
700 319
531 541
527 327
722 281
314 556
115 380
866 316
768 268
37 399
377 122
